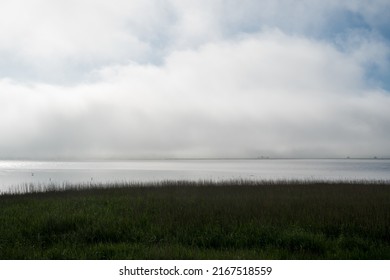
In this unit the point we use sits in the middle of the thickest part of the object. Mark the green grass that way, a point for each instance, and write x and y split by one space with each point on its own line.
199 220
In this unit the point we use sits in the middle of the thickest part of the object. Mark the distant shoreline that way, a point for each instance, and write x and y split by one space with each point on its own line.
189 158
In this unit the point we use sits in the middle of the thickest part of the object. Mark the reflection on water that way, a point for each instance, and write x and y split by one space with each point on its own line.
16 173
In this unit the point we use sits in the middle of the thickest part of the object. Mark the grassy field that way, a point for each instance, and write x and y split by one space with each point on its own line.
199 220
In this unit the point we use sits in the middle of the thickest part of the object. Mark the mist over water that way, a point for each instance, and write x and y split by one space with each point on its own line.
14 174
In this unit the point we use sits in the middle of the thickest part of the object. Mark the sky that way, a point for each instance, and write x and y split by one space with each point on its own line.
119 79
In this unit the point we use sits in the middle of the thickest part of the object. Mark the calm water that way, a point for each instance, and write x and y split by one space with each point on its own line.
17 173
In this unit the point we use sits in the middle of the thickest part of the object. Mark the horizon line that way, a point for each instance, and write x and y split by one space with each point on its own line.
191 158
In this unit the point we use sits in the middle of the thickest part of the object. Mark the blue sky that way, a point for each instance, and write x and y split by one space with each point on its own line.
222 78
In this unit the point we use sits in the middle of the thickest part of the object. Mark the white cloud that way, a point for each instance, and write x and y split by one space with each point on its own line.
145 78
65 40
56 41
266 93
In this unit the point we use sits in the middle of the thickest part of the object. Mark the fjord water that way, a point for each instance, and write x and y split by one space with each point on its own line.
14 174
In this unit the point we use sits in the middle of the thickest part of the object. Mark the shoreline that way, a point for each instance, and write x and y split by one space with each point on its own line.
29 188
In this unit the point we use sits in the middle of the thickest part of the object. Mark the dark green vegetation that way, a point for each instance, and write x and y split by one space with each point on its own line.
204 220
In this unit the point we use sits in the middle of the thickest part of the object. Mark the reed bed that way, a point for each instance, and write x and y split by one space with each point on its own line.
239 219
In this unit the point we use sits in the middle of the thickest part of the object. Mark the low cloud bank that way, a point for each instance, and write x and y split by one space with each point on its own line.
270 94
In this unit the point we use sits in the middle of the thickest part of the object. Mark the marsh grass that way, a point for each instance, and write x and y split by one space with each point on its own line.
198 220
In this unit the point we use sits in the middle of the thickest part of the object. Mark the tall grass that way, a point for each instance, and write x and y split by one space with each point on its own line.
198 220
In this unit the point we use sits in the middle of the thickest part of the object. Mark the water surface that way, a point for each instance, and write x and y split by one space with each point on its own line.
16 173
